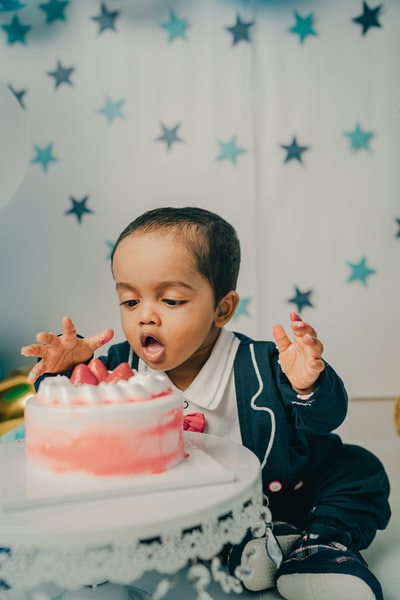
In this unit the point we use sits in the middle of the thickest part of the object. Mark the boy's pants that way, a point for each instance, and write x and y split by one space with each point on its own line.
345 492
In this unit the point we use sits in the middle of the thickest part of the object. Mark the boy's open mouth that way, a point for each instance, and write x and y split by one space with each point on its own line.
152 348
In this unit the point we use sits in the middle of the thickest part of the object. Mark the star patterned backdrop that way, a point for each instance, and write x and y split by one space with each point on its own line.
283 116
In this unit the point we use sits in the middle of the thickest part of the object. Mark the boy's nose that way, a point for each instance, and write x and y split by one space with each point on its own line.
149 315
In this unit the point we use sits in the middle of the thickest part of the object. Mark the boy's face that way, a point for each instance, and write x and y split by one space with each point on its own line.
167 307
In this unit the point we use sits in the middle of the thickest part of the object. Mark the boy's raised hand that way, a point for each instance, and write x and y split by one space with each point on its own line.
63 352
300 359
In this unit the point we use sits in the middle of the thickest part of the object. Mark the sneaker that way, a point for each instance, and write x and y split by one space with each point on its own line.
255 560
321 568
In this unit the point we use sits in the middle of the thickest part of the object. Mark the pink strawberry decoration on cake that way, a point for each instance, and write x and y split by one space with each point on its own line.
95 372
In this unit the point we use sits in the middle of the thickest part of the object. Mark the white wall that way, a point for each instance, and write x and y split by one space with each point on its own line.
300 223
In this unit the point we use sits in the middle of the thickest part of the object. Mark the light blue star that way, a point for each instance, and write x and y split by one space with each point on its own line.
242 307
360 271
176 27
230 150
16 32
112 110
359 138
303 26
44 156
302 299
79 208
54 10
169 136
240 30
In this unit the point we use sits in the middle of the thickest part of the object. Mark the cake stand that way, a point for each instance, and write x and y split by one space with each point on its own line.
104 537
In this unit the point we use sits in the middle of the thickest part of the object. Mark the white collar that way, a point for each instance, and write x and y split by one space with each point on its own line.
208 387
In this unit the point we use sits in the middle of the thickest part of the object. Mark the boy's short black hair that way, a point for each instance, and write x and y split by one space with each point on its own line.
212 241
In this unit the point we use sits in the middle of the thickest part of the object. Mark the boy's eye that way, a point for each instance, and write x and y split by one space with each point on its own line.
174 302
130 303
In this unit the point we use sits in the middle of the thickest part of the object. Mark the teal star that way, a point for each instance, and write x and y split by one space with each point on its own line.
16 32
112 110
360 271
44 156
176 27
294 151
169 136
54 10
79 208
242 307
302 299
110 248
359 138
303 26
6 5
240 30
230 150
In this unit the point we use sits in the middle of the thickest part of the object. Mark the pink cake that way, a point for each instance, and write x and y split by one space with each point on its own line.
115 427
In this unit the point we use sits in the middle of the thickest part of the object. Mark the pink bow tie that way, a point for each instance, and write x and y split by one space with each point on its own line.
194 422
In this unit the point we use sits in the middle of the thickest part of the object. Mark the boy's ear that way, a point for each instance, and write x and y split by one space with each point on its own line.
226 308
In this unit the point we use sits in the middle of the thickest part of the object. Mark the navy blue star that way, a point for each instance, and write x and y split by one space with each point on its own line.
54 10
61 74
369 18
106 19
19 95
79 208
169 136
16 32
294 150
302 299
240 30
398 223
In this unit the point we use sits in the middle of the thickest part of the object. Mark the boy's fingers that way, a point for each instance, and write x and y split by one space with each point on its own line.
32 350
281 339
96 341
34 373
69 330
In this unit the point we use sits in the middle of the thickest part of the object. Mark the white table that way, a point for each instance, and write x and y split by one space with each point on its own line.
118 538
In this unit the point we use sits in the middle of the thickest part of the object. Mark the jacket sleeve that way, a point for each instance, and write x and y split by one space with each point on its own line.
322 411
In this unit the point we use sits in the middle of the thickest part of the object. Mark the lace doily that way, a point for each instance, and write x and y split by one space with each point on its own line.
26 567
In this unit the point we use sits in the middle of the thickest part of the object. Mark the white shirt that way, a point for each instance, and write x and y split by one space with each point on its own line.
212 392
